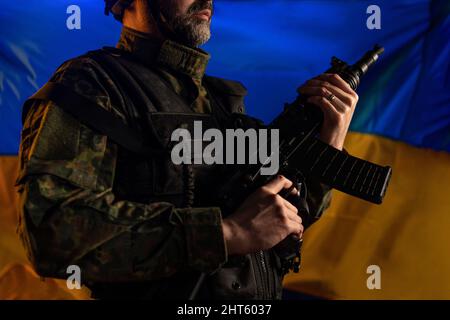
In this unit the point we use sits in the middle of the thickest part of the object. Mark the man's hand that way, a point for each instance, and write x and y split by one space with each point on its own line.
337 100
262 221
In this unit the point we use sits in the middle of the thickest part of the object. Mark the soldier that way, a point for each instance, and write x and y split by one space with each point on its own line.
137 225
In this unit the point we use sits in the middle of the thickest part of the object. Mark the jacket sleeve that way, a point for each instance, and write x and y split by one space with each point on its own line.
69 214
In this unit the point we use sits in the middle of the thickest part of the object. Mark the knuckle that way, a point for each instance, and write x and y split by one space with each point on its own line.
302 228
284 219
264 190
348 101
340 117
336 117
323 91
278 201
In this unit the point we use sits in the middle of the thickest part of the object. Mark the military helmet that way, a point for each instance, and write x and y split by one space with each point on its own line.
117 7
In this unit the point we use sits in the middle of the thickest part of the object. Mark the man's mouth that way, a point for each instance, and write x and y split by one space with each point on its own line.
203 14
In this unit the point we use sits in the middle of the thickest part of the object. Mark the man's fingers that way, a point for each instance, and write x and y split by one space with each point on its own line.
278 184
295 228
290 206
337 81
318 89
326 106
295 217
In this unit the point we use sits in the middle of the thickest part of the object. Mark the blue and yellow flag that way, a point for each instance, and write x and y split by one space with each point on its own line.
273 46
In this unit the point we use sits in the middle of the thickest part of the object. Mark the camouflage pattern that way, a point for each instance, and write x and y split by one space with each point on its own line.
69 214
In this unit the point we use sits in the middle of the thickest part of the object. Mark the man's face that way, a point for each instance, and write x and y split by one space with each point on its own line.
189 19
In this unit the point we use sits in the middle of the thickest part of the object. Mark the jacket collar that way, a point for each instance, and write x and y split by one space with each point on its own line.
169 54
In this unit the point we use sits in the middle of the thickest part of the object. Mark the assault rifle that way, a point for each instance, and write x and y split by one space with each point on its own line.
303 155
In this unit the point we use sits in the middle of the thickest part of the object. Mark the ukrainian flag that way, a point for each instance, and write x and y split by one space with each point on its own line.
272 46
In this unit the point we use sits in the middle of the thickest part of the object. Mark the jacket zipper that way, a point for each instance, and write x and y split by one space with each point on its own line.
264 275
260 276
269 276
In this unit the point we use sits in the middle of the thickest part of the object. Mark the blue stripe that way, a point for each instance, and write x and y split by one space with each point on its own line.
272 47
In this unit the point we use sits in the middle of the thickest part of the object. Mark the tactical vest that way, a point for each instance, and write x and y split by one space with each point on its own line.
145 172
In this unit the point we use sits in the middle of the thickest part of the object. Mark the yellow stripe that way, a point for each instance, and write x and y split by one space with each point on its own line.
17 279
10 248
408 236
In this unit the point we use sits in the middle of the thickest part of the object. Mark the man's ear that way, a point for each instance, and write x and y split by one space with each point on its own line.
138 17
129 12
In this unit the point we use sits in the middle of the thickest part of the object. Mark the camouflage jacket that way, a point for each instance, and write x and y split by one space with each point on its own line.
69 212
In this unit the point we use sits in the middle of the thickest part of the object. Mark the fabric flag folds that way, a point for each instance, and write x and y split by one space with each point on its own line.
273 46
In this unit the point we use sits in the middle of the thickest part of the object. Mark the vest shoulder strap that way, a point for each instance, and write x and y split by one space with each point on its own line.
92 115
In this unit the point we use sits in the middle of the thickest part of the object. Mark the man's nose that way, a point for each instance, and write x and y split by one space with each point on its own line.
207 2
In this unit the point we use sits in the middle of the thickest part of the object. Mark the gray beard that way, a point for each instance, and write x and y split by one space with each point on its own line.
191 31
188 29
